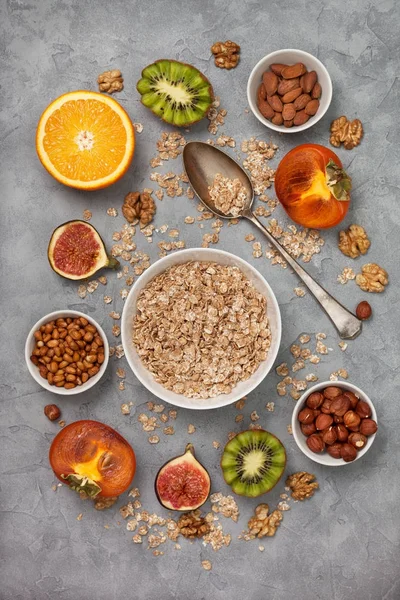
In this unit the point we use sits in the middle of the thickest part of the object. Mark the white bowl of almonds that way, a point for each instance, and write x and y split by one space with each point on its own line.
201 328
66 352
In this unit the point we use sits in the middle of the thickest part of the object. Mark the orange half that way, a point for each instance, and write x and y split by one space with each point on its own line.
85 140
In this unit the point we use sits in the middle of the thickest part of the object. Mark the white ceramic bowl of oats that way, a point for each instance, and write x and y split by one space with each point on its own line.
148 378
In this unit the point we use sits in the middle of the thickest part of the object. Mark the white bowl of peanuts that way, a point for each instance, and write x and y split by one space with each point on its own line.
66 352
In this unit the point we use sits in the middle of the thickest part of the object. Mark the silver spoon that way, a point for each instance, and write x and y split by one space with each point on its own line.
202 162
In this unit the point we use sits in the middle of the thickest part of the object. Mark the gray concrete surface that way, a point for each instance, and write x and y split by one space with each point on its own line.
344 543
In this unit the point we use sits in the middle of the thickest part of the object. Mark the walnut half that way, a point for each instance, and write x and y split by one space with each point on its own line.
302 485
263 524
354 241
192 525
372 278
139 206
347 132
226 54
111 81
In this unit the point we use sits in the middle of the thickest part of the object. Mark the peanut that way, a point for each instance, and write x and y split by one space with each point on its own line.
68 351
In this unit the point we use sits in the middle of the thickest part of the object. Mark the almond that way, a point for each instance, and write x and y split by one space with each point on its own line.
287 85
316 91
270 81
262 92
277 119
288 123
293 71
302 101
301 117
309 80
312 107
275 102
277 68
292 95
265 109
288 112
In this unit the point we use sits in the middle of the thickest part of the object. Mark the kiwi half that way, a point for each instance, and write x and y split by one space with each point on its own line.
253 462
175 91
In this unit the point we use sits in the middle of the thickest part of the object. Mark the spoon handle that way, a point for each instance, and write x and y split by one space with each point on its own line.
345 322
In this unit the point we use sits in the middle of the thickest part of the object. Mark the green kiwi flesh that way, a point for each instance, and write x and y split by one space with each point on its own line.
253 462
177 92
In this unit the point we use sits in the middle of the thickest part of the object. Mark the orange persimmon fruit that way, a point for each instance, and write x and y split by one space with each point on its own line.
313 187
85 140
93 459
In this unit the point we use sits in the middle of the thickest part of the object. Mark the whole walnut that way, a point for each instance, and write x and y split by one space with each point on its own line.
111 81
226 54
139 205
263 524
347 132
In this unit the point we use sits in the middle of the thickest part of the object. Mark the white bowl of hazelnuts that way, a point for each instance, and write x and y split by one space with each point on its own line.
334 423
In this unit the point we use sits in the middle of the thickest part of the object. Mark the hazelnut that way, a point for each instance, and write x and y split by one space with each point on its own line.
308 428
306 415
352 397
368 427
315 400
342 433
340 405
358 440
329 435
351 419
332 392
363 311
323 421
315 443
326 406
334 450
348 452
363 409
52 412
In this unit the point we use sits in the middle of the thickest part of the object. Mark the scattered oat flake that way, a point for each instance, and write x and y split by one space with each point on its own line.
154 439
300 292
249 237
261 548
169 430
138 127
239 418
346 275
304 339
254 416
61 423
270 406
116 330
172 414
343 346
124 293
311 377
114 315
121 373
112 212
191 428
125 409
289 429
121 386
282 369
107 299
87 214
206 564
119 351
240 404
82 291
216 444
79 517
283 505
321 348
281 388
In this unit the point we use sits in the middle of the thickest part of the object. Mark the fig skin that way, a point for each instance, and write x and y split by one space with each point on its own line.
96 451
188 458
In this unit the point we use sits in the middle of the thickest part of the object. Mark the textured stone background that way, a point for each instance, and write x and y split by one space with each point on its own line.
344 543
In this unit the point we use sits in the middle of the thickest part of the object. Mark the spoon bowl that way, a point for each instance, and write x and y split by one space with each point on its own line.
202 162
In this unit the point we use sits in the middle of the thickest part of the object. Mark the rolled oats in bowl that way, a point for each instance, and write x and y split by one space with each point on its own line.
201 328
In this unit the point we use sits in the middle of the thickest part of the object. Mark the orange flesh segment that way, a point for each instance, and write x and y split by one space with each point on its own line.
76 250
85 140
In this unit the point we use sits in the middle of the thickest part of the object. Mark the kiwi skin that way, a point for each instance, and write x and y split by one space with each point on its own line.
251 431
205 79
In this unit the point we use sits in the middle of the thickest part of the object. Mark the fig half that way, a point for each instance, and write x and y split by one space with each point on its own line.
76 251
93 459
183 483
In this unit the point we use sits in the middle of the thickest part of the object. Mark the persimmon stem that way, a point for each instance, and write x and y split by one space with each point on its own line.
83 485
338 181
